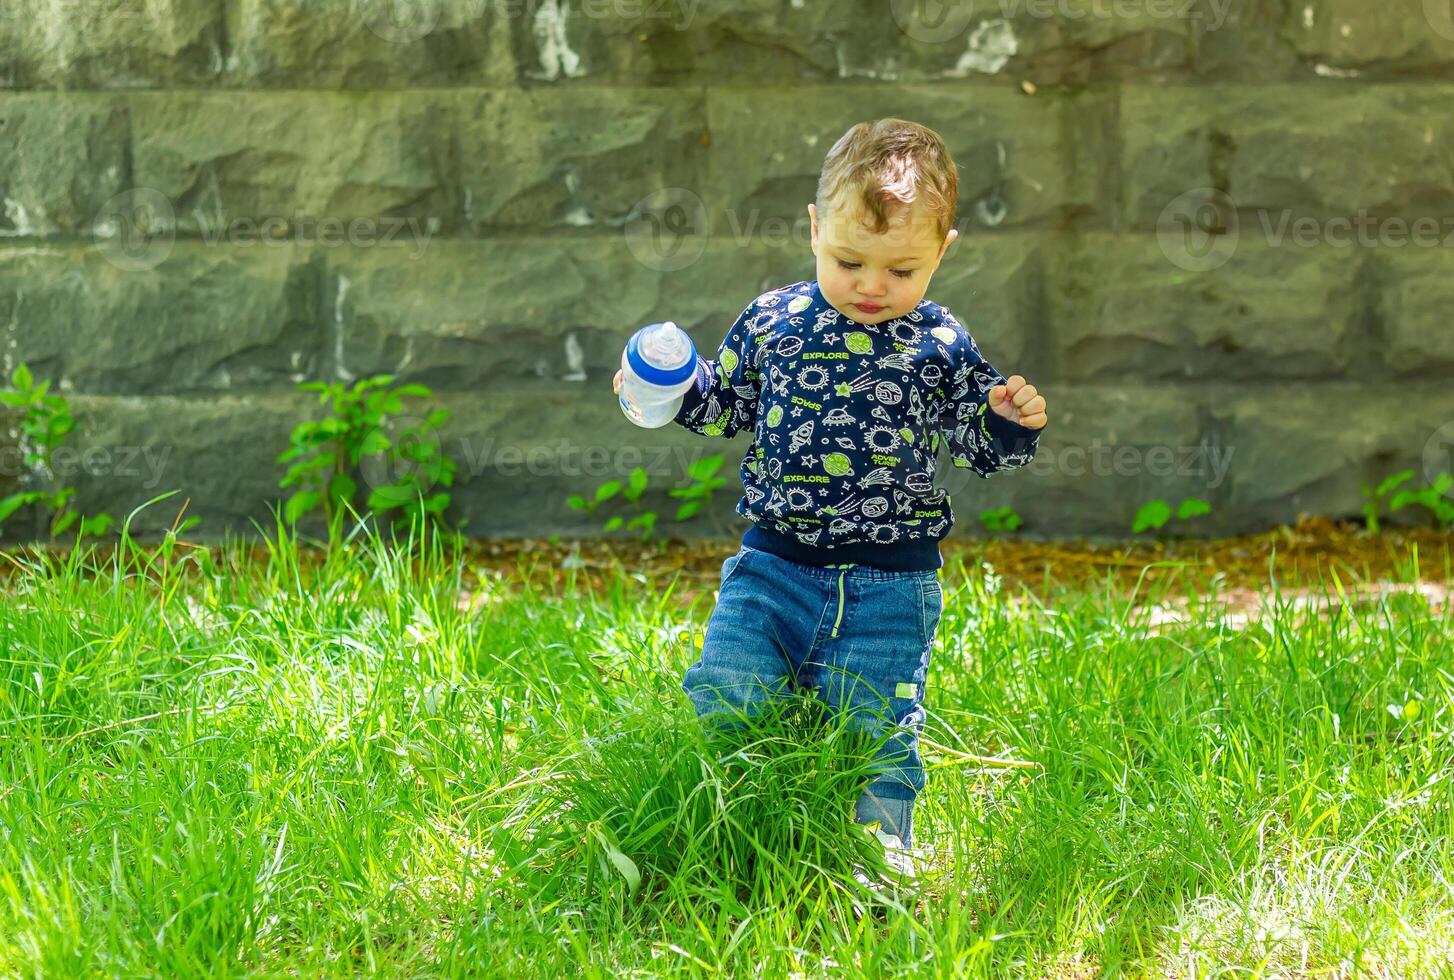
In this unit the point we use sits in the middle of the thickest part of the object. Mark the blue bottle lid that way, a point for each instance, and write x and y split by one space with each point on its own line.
665 377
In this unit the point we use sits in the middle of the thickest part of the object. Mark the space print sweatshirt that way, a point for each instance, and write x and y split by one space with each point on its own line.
847 419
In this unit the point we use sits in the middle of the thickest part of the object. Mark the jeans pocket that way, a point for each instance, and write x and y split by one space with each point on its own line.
731 565
931 607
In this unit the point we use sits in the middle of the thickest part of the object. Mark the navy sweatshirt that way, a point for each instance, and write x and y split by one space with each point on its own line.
847 419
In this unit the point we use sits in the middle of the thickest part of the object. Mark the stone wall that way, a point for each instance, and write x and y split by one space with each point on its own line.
1218 235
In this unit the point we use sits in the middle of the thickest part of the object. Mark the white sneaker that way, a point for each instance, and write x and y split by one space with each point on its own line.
902 872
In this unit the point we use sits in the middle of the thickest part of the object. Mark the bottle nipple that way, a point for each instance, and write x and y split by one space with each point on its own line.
666 346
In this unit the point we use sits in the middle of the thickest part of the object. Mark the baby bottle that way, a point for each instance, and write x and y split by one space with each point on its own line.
658 365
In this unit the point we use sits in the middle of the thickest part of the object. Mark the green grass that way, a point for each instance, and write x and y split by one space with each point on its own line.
216 767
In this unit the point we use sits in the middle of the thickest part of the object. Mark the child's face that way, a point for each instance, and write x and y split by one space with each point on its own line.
873 277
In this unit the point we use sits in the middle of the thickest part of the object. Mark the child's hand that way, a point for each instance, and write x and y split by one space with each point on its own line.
1018 401
616 383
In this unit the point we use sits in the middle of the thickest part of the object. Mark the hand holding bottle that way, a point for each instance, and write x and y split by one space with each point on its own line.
658 366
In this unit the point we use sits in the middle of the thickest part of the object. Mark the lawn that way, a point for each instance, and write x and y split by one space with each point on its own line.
391 760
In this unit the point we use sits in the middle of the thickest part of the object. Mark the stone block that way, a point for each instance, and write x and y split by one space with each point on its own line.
204 318
62 158
1127 307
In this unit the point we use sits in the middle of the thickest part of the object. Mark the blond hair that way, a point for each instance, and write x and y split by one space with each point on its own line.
889 162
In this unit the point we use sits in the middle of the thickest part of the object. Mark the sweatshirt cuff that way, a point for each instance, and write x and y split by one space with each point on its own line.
1007 435
693 397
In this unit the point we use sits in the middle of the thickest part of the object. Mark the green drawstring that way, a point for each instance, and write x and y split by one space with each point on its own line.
840 595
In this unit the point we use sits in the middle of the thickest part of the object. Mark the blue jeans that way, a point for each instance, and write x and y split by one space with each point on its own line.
859 638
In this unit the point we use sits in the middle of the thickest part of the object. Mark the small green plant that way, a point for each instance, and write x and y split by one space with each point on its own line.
630 491
704 480
1434 497
330 456
1000 519
1155 513
44 427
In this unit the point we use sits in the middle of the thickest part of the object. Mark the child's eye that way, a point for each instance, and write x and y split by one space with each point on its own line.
847 265
902 273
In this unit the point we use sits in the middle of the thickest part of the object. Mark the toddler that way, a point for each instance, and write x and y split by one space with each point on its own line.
849 383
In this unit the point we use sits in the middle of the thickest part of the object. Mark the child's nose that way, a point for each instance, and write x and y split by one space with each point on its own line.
872 286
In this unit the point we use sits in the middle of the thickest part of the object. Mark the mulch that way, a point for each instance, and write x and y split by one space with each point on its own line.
1299 555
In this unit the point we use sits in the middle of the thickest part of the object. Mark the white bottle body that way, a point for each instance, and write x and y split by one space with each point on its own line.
647 404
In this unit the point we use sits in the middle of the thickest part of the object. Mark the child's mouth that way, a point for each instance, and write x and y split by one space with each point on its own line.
868 308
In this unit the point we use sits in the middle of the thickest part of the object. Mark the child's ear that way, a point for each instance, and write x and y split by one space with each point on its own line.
948 240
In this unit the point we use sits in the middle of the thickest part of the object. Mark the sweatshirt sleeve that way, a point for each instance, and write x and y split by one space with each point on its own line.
724 398
980 438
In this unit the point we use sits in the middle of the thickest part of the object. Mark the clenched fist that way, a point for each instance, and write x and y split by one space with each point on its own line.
1018 401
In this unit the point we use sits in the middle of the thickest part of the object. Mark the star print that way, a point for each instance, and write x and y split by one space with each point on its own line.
843 389
832 338
808 460
797 410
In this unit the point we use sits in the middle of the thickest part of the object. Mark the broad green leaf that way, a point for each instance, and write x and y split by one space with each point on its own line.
341 486
1192 507
14 502
97 525
1394 481
1154 513
375 442
300 503
705 467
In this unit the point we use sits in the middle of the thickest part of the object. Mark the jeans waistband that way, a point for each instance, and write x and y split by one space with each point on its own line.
848 571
